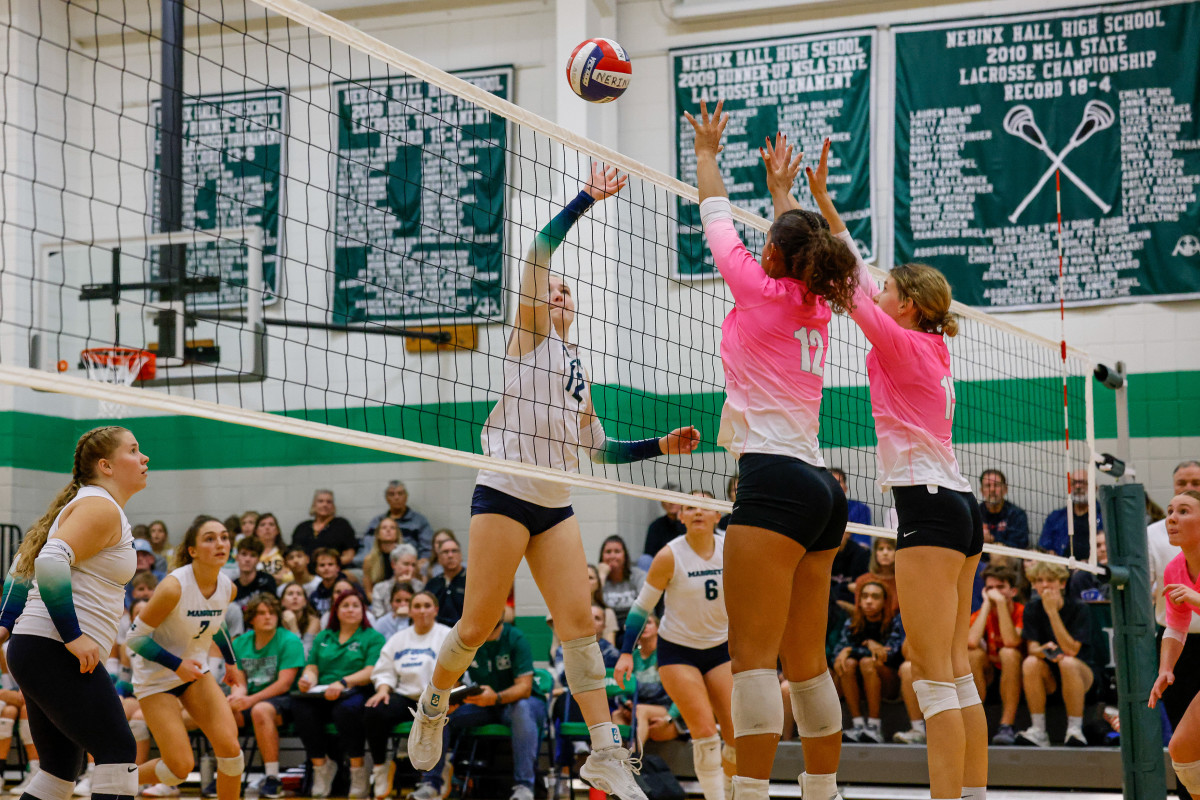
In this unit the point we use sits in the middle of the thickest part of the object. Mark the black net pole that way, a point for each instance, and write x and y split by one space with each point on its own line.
172 257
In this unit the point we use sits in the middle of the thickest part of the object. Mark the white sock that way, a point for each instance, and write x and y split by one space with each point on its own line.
974 793
750 788
875 722
1039 721
818 787
34 765
604 734
431 708
917 725
858 722
1075 723
272 768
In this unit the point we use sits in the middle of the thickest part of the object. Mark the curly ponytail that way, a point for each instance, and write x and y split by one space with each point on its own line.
94 445
815 256
930 292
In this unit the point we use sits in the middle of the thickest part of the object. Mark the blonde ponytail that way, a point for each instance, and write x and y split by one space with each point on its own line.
94 445
930 292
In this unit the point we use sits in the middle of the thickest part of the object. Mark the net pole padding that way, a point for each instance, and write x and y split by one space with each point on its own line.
1062 333
350 36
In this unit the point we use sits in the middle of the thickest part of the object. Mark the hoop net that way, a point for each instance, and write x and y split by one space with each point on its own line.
119 366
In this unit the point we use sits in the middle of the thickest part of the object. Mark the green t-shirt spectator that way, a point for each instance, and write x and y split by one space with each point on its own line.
262 667
499 663
335 660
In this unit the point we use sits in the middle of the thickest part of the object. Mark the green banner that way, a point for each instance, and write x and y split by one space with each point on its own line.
419 209
988 110
232 178
808 87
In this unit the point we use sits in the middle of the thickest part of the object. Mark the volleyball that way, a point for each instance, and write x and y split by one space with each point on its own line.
599 70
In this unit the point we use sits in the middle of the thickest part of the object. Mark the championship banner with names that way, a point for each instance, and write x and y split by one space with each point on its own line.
233 177
987 110
808 87
419 210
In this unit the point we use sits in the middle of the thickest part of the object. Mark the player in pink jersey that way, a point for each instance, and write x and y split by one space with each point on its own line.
940 536
790 513
1182 591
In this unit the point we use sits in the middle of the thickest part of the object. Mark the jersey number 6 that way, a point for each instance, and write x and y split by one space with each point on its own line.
711 591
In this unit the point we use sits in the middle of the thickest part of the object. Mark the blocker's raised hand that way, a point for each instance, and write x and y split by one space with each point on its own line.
708 129
605 182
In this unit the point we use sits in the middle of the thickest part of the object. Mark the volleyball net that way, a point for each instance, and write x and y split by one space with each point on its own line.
314 233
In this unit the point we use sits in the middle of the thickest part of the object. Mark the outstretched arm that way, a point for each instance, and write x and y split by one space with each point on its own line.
707 144
603 450
781 170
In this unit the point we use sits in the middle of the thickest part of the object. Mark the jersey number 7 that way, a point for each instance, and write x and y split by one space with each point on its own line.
203 627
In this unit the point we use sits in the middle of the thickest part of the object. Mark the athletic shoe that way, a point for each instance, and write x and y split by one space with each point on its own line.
210 790
358 783
611 770
521 792
1005 736
20 788
1075 738
83 786
425 791
871 735
270 787
381 779
323 778
425 739
910 736
160 790
853 734
1033 737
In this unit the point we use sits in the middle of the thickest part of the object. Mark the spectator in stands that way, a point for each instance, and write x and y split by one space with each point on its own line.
451 586
402 563
397 616
326 529
140 532
298 614
410 524
503 668
246 523
859 512
870 647
622 580
271 658
376 565
1003 522
656 713
160 541
1056 536
266 530
342 659
995 646
402 669
731 494
610 619
1088 586
1058 634
329 569
296 561
142 587
663 529
347 583
881 569
852 560
145 564
250 580
434 568
609 653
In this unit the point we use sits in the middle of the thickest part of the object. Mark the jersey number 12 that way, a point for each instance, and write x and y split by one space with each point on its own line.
811 362
948 385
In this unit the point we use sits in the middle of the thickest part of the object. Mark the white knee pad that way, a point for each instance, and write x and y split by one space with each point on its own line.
234 765
164 774
706 753
24 732
455 656
968 692
140 730
45 786
583 665
118 779
729 753
6 728
757 706
816 707
934 697
1189 775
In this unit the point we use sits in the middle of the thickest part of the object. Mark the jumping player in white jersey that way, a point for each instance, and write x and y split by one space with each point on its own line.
940 535
543 418
171 638
66 594
693 640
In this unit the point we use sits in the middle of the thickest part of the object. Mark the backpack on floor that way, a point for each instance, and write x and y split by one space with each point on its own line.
657 781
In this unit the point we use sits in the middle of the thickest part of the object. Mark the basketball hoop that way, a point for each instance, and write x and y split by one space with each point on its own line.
119 366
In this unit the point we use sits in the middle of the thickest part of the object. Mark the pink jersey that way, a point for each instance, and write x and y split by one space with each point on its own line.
773 346
1179 615
912 394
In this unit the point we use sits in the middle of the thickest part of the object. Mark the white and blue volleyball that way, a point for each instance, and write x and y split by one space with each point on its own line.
599 70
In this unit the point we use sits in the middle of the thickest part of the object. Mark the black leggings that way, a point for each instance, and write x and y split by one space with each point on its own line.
311 713
70 714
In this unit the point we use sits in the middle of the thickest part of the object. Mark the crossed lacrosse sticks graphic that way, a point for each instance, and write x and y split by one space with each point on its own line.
1097 115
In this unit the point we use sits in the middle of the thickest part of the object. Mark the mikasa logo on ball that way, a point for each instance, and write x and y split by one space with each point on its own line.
587 71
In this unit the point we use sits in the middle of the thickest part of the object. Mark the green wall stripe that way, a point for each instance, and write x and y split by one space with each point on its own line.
1160 405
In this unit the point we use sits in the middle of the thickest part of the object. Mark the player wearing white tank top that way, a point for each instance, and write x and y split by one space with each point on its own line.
65 594
693 650
544 416
171 638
